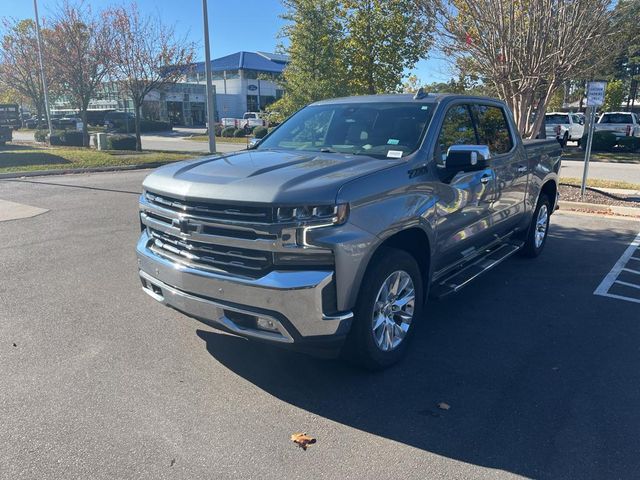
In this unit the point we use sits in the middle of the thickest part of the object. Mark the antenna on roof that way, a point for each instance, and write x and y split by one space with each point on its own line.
420 94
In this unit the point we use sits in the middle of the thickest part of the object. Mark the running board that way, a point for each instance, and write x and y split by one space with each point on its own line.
462 277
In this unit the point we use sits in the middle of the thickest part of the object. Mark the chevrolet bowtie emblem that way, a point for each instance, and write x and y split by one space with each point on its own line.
182 224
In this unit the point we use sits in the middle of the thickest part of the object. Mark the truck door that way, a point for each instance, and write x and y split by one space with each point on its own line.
465 197
509 164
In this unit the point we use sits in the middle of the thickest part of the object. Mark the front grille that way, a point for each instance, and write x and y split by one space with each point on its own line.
237 261
214 211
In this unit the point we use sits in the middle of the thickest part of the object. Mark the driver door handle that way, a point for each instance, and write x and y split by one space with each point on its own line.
485 178
522 169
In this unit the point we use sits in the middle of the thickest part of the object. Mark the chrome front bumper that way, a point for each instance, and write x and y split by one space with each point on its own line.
291 300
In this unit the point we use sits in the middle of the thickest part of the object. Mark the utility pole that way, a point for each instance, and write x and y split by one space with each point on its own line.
42 75
210 92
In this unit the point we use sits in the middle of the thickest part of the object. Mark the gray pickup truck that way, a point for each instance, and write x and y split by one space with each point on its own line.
331 233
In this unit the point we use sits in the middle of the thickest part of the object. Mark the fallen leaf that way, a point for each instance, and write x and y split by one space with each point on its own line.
444 406
15 345
302 440
173 461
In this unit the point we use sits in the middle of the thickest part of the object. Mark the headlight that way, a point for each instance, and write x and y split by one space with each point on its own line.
330 214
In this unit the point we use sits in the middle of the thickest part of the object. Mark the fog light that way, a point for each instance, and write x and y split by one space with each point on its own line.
266 324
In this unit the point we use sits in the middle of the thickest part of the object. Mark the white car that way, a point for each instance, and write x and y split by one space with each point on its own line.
564 126
620 123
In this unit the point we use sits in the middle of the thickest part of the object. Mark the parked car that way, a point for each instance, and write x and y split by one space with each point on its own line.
117 119
249 121
621 123
6 134
35 122
564 127
331 233
69 123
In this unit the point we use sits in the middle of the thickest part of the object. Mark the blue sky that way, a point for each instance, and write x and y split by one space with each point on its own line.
233 25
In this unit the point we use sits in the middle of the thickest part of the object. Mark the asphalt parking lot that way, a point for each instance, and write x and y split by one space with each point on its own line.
99 381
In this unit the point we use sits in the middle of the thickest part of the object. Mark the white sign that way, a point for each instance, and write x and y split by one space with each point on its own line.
79 126
595 93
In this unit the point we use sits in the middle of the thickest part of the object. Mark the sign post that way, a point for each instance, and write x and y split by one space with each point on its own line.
595 98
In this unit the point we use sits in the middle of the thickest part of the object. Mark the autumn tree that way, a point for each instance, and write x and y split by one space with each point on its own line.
147 56
19 66
316 40
527 49
81 50
384 38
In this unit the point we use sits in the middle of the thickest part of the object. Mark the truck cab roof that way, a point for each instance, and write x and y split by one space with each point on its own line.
405 97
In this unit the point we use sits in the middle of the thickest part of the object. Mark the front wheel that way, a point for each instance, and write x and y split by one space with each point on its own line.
389 302
538 229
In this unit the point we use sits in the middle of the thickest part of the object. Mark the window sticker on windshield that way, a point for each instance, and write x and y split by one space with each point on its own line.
393 141
424 107
394 154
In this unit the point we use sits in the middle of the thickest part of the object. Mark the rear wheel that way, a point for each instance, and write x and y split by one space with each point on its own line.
538 229
390 301
563 142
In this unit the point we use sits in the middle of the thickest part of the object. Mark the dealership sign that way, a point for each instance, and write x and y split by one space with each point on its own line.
252 88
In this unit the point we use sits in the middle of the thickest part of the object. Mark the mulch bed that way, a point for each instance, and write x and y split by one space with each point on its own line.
571 193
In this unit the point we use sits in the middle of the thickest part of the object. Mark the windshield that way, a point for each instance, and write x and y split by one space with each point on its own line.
390 129
616 118
556 119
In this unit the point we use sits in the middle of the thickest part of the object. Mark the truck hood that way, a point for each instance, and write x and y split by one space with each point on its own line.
264 176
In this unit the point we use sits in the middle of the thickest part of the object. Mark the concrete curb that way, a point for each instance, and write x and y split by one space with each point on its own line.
601 209
68 171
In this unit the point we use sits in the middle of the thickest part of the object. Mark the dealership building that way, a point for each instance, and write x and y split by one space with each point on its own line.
243 82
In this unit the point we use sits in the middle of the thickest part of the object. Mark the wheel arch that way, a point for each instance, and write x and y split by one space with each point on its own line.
416 242
550 189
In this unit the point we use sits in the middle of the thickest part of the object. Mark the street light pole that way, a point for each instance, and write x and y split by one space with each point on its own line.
210 92
42 75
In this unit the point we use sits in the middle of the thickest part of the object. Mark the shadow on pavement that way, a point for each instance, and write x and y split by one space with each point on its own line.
542 377
15 158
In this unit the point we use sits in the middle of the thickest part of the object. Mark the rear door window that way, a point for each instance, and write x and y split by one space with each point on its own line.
616 118
493 128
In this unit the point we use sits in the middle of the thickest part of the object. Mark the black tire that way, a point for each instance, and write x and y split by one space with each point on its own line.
533 248
565 139
361 345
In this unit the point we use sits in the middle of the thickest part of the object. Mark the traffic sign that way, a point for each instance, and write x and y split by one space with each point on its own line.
595 93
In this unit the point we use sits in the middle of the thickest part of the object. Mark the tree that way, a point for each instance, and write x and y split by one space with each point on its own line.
527 49
19 65
614 95
626 64
81 50
316 69
384 38
147 56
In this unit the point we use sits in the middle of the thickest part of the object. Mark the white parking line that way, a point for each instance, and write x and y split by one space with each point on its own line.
611 279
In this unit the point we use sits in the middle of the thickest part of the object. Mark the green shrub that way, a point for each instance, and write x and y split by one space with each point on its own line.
260 132
629 144
228 131
145 126
121 142
239 132
67 138
218 129
41 134
603 141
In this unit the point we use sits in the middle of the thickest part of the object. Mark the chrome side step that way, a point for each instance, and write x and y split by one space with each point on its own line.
469 272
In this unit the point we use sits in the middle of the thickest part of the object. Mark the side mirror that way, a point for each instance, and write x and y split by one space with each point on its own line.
467 158
253 143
